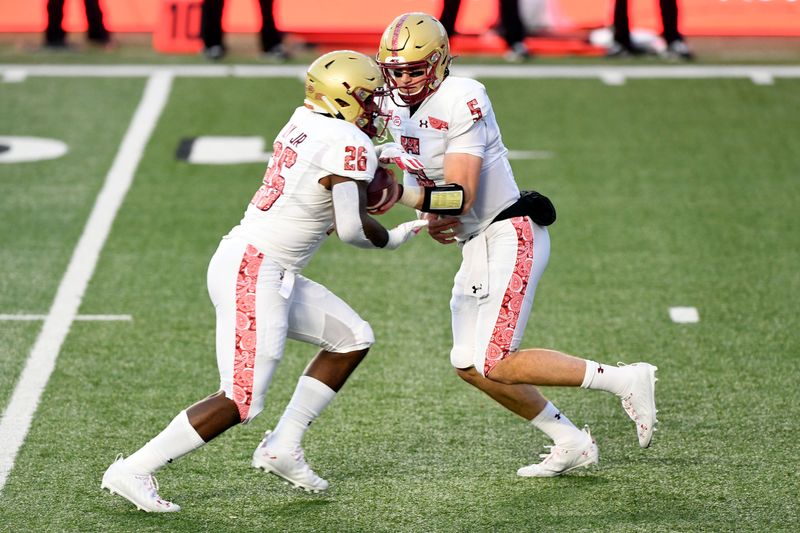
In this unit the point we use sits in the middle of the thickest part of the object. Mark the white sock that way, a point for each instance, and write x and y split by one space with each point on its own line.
605 377
310 397
558 427
176 440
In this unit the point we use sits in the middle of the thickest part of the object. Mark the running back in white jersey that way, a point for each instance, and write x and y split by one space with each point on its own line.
437 127
291 214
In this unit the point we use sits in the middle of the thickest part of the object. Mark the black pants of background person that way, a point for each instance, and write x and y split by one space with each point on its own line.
55 35
669 19
211 25
513 31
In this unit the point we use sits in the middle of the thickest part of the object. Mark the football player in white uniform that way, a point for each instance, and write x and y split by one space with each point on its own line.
315 182
467 190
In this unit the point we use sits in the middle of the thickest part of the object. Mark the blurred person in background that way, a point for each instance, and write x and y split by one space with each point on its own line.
622 45
315 182
468 192
511 27
271 38
56 38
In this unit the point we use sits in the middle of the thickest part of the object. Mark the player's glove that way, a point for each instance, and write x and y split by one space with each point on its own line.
394 153
400 234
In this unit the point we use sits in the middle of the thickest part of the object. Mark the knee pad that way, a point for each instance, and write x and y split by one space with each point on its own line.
461 358
343 338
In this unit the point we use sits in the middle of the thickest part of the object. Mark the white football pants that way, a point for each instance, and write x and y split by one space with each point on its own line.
259 305
493 291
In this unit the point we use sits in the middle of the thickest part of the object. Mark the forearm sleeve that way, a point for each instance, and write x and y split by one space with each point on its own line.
347 215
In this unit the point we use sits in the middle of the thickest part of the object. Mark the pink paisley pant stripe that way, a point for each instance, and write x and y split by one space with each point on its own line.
513 299
245 349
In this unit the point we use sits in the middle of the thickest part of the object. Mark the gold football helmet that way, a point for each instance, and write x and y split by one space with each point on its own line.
414 42
347 85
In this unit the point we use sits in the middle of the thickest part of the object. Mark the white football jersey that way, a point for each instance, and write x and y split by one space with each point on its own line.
291 214
439 126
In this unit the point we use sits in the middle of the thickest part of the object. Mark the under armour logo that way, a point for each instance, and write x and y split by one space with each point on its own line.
476 288
600 369
423 123
558 416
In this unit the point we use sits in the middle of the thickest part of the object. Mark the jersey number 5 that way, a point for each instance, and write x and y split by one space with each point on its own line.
272 188
355 158
477 114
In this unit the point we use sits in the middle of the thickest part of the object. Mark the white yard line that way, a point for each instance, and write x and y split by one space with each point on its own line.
25 399
617 73
30 318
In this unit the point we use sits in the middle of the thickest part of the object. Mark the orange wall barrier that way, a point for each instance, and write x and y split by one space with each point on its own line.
698 17
178 30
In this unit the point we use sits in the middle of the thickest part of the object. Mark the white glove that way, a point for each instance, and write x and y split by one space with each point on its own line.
403 232
394 153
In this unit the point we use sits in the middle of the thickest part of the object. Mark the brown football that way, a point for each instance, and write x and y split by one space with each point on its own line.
379 189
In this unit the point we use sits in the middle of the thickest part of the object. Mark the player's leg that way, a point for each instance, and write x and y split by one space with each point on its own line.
524 400
319 317
477 327
539 366
504 363
487 329
634 384
246 358
190 429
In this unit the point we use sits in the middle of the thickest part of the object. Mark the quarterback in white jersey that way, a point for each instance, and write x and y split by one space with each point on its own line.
438 127
468 192
315 182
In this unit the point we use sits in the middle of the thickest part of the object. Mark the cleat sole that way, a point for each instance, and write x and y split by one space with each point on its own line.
653 380
288 482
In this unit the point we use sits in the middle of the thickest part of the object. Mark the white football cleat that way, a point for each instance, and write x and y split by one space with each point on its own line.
140 490
288 464
640 400
561 460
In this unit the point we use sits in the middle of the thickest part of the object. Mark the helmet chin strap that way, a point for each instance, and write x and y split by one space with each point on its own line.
417 97
332 108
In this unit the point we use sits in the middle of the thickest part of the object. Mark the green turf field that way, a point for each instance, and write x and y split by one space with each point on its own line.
670 193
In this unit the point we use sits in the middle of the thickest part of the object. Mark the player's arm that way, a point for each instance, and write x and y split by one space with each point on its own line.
448 199
438 200
462 171
355 226
463 160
